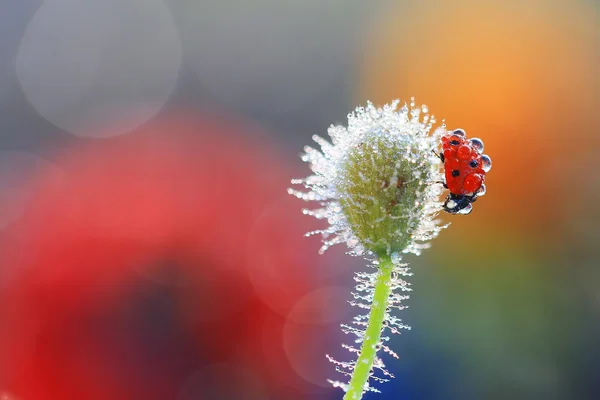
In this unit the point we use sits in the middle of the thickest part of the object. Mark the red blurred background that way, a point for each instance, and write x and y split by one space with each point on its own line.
164 264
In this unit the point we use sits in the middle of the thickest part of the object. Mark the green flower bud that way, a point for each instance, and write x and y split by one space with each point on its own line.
379 182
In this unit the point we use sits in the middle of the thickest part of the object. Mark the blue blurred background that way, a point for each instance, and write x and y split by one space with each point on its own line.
148 249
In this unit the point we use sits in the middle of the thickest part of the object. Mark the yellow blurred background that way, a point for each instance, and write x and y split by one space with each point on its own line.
509 295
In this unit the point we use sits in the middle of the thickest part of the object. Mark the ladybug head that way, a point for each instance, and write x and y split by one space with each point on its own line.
454 139
458 203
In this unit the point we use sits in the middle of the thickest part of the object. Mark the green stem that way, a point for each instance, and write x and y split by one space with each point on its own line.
368 350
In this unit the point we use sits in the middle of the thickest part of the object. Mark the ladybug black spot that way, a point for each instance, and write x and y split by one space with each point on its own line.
473 164
454 142
455 172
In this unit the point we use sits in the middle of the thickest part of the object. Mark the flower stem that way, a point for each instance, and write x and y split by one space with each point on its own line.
370 344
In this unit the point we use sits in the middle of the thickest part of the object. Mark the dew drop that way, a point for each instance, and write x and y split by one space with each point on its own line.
466 210
439 131
486 163
481 191
477 144
396 258
352 242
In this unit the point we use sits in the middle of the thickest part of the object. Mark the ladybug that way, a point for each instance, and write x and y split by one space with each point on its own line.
465 167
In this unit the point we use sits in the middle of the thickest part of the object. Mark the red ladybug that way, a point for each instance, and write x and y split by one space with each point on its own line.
465 167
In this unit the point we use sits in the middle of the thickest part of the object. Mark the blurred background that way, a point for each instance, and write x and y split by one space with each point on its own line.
148 248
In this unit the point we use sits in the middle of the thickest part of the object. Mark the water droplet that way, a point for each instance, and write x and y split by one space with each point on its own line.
439 131
481 191
467 209
477 144
459 132
352 242
486 163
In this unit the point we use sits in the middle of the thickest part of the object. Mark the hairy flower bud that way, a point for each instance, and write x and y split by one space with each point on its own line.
379 182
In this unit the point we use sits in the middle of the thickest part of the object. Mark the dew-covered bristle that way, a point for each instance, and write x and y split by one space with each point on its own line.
378 185
362 298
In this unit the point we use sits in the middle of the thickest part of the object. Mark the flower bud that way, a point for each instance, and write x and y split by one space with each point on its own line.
379 181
